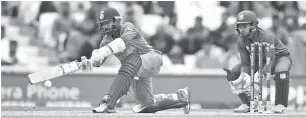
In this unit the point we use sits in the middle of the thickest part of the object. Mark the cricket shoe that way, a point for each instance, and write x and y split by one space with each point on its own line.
279 108
103 107
242 109
185 96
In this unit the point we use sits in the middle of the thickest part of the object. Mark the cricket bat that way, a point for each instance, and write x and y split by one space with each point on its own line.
60 70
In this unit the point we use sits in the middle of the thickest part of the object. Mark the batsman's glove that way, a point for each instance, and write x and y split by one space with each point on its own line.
97 58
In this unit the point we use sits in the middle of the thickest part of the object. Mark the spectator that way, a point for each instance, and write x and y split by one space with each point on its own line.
279 30
129 15
192 42
62 25
146 5
133 12
8 49
88 27
208 56
167 7
84 37
231 7
151 7
223 34
291 15
176 55
245 5
297 48
46 6
4 8
162 41
232 56
77 46
14 10
260 6
224 4
171 28
279 6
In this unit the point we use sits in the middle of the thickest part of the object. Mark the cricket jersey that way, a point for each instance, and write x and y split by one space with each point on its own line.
261 36
134 41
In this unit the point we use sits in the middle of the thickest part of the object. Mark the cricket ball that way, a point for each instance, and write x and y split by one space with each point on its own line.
48 83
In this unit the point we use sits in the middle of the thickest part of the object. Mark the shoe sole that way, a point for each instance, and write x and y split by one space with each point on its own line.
241 111
108 111
244 111
280 112
187 108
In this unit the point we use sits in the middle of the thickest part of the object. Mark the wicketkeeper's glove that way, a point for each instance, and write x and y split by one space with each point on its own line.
229 75
236 84
247 85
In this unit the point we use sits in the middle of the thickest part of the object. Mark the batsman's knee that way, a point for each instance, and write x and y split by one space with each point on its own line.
144 99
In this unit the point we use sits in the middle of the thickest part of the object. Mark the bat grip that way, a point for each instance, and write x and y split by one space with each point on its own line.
86 64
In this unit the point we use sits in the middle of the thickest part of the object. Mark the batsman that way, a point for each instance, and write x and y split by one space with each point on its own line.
139 62
281 62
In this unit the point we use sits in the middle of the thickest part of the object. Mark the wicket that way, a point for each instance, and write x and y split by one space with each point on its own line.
257 104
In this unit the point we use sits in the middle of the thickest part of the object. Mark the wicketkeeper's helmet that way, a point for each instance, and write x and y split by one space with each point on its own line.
245 17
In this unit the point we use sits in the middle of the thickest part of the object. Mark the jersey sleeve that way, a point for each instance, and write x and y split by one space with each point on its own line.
271 42
128 32
244 55
105 41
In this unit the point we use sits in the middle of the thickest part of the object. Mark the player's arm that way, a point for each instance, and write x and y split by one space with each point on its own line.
245 61
270 42
99 55
109 47
117 45
272 47
129 32
104 42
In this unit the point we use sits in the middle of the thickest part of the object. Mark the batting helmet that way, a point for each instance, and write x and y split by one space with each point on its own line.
105 16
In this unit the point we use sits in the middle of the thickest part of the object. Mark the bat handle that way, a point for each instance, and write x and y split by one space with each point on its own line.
83 58
86 64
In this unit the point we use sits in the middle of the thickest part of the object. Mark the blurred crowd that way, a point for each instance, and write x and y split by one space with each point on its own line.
58 32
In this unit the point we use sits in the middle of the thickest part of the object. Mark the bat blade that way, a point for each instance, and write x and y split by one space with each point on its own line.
54 72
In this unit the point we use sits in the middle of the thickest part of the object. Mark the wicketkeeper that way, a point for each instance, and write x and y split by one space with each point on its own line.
139 62
249 32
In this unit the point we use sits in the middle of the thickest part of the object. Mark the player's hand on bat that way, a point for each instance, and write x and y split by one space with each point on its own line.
87 64
97 58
